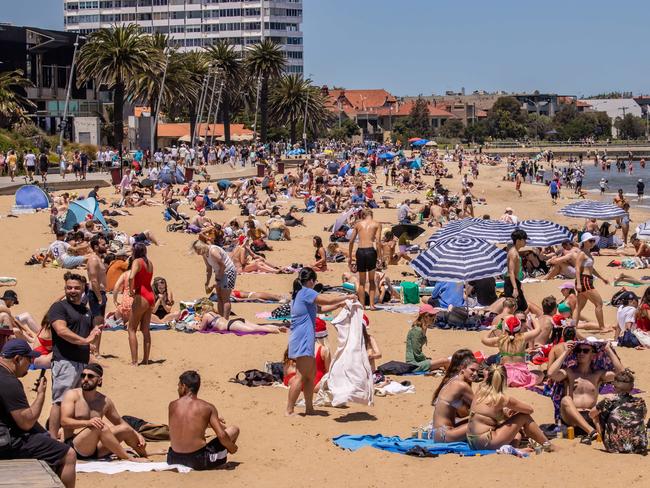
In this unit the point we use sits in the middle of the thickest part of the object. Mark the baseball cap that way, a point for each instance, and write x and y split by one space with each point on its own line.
95 368
426 308
18 347
10 295
587 236
628 296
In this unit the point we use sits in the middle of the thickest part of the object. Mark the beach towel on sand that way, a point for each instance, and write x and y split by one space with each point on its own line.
402 446
350 377
114 467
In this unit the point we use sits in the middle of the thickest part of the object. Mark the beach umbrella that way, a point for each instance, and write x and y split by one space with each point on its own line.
431 143
461 259
643 231
386 155
413 231
493 231
419 143
452 229
415 139
542 233
590 209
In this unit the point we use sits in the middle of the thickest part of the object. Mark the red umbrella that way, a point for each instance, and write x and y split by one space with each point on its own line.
413 139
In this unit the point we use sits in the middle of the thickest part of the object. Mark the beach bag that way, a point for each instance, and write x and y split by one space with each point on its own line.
282 312
628 339
410 292
396 368
150 431
623 423
458 316
253 377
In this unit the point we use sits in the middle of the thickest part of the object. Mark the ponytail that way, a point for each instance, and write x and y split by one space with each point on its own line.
297 286
305 275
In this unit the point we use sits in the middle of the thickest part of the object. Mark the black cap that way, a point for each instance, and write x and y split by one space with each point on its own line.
10 295
18 347
95 368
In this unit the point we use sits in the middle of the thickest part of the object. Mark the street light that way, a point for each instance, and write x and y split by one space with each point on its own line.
154 125
64 121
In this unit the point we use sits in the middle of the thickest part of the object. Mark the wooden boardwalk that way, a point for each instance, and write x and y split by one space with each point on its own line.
28 473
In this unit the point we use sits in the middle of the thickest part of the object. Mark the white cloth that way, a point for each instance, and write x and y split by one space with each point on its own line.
395 388
625 314
350 377
114 467
642 336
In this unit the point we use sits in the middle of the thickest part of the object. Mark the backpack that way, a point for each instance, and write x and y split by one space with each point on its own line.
253 377
282 312
410 292
616 298
622 420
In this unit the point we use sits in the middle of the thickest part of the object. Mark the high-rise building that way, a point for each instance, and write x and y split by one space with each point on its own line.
192 24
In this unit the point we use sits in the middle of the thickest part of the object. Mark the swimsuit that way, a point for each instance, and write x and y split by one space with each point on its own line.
142 284
211 456
366 259
482 441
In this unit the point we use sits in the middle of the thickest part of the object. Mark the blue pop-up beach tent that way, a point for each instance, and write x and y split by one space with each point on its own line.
78 212
32 196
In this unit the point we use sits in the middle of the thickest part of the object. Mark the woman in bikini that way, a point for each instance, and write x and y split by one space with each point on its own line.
43 343
162 308
211 320
496 419
246 261
585 272
512 344
453 397
143 302
320 256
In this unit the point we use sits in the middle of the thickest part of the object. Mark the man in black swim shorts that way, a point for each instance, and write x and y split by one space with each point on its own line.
369 232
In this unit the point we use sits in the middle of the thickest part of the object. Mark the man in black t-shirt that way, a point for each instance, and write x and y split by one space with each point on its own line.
71 339
21 436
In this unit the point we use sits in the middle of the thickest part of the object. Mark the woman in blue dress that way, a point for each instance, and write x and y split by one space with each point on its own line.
302 336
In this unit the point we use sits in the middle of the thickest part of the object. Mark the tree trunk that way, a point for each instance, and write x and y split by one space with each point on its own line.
152 110
118 114
264 101
292 126
226 116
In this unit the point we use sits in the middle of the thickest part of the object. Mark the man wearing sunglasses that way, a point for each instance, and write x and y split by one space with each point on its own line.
83 411
21 436
582 385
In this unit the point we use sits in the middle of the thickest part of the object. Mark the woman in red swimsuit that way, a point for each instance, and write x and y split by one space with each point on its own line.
143 301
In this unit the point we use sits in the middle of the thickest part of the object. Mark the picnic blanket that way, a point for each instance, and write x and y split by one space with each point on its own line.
402 446
114 467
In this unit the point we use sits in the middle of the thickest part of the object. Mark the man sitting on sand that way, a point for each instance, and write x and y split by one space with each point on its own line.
64 253
189 417
583 383
84 428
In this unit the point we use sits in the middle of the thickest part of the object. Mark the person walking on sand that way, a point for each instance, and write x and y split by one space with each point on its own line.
143 301
515 275
96 294
369 232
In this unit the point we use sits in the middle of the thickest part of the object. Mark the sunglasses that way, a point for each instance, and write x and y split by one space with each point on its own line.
583 350
89 376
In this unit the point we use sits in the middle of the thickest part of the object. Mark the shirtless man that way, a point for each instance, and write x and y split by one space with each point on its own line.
84 428
436 218
564 263
549 307
97 284
583 384
512 282
388 245
189 417
369 232
200 221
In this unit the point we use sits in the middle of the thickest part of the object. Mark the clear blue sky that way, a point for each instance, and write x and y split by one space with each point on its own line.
577 47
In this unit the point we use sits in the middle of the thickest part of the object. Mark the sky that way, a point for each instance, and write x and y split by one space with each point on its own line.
411 47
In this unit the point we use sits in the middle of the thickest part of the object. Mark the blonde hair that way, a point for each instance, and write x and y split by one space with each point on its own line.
491 390
512 344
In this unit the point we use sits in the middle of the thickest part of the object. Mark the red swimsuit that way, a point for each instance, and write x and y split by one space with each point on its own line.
142 283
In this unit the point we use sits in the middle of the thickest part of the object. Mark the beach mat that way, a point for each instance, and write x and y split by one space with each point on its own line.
402 446
152 328
114 467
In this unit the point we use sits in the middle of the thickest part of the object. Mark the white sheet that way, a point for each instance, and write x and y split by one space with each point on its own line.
114 467
395 388
350 378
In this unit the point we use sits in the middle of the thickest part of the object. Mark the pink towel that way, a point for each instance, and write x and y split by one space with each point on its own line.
519 376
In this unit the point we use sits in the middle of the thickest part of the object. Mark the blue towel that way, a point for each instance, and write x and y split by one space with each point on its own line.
401 446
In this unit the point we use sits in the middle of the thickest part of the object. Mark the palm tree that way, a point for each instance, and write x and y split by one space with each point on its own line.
13 105
115 57
229 65
293 97
265 61
197 64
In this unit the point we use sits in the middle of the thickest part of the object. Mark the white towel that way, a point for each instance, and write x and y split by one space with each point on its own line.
114 467
350 378
395 388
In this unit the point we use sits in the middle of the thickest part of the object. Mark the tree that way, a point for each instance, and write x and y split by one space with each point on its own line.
539 126
452 129
291 98
13 104
418 120
265 62
506 119
197 64
115 57
348 129
477 131
230 68
630 127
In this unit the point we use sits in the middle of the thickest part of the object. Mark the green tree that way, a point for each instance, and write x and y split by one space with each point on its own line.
477 131
452 129
418 119
348 129
230 67
13 104
506 119
115 57
539 126
630 127
197 64
265 62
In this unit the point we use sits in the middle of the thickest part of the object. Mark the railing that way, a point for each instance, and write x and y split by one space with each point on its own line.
542 144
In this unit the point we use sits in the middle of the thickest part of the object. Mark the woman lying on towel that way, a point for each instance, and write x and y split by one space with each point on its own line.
259 295
246 261
453 397
496 419
212 321
512 352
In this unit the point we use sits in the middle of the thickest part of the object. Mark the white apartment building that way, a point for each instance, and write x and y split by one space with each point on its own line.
192 24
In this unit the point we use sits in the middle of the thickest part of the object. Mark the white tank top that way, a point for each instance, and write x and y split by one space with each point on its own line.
227 262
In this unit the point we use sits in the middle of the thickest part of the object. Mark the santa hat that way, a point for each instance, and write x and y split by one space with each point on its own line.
513 325
366 320
321 328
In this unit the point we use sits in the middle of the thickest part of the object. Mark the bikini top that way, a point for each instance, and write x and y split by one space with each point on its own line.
499 419
455 404
588 263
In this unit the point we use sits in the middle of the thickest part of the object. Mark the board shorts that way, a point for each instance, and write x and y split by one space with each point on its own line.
212 456
70 262
522 304
97 309
587 282
65 376
39 446
228 280
366 259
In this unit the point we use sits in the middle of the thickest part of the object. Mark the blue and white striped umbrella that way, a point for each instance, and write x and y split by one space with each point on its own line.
590 209
643 231
542 233
460 259
493 231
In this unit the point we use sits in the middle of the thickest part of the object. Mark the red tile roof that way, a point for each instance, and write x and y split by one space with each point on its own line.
361 99
181 130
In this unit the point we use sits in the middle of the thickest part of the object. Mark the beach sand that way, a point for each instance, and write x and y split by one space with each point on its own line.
279 451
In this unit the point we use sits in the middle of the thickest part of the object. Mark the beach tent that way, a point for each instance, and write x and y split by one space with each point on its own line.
416 163
78 212
168 178
32 196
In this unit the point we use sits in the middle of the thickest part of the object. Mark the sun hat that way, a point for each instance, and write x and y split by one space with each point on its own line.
587 236
567 286
513 325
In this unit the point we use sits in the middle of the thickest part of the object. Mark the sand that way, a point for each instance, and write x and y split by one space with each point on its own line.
279 451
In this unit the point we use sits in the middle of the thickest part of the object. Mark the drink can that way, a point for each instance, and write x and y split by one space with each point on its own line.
570 433
425 433
415 432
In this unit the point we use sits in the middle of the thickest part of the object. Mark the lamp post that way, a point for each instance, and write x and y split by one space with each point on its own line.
154 124
64 121
202 98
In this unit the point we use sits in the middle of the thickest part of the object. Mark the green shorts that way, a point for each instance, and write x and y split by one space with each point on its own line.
422 366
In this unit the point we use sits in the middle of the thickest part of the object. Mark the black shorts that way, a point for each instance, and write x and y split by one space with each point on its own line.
522 304
39 446
212 456
320 180
585 415
97 309
141 237
366 259
70 443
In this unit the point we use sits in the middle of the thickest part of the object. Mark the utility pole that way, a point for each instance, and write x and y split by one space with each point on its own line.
154 120
64 120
